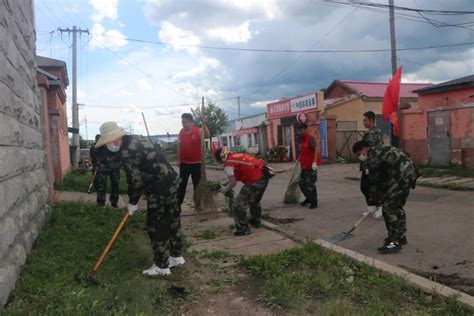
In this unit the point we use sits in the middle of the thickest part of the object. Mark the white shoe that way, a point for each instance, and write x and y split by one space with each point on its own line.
154 270
175 261
378 213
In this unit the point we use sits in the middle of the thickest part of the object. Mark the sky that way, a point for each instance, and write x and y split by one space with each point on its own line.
153 56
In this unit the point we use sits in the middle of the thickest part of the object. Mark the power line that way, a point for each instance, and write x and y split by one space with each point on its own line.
263 50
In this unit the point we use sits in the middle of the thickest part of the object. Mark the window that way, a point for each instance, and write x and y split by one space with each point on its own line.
237 141
255 139
224 141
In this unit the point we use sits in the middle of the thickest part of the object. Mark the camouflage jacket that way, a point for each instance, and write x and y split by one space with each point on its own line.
148 171
372 137
389 168
105 159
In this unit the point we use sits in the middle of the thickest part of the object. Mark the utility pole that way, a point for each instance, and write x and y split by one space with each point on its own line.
87 134
75 111
238 105
393 43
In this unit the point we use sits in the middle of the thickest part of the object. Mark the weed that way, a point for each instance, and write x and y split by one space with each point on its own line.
79 181
206 234
214 255
457 171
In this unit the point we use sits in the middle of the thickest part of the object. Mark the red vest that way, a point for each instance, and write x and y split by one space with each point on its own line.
306 152
247 169
190 146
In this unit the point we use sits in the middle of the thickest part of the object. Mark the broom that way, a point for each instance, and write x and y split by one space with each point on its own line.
203 197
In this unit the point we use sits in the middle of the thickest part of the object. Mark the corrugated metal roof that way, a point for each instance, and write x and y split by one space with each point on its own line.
377 89
464 81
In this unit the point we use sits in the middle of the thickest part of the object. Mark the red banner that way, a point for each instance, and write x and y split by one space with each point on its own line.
278 109
245 131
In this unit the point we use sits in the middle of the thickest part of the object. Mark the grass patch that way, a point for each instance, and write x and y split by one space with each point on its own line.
447 186
220 255
79 181
449 171
312 279
51 282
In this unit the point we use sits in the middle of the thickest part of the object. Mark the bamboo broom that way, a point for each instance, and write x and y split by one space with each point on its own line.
203 197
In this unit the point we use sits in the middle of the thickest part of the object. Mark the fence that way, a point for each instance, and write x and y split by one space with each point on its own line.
346 135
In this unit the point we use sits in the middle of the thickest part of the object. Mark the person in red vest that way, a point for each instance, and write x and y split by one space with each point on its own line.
309 167
254 174
189 153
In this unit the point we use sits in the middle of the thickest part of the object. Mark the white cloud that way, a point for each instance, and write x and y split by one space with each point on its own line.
261 104
232 34
144 85
175 37
114 38
104 9
204 65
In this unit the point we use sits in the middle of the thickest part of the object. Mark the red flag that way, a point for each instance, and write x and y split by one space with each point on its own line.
394 120
392 95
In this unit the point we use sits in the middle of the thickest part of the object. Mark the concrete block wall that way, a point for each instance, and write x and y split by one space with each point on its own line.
23 169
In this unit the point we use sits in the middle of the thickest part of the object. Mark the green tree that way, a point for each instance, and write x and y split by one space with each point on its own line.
216 118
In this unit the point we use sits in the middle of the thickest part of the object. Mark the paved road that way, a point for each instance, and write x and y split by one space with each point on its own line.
440 223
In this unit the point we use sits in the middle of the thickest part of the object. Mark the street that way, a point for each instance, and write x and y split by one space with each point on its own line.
440 223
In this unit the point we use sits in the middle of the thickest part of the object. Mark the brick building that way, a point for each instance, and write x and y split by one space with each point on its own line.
440 129
52 81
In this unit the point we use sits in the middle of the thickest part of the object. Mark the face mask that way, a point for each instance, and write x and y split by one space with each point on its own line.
362 157
113 148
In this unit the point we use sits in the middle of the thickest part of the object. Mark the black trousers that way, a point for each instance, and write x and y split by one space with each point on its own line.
185 170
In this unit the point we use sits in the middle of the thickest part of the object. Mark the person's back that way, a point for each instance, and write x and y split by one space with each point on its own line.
247 169
147 166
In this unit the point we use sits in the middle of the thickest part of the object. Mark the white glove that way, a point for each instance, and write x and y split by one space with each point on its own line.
314 166
371 209
378 214
132 209
224 189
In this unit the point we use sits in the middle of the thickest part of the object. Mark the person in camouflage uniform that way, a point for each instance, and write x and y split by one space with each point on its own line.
105 164
149 173
391 174
254 174
372 137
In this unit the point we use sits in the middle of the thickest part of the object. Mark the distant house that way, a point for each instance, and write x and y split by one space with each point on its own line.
349 100
53 80
439 130
165 140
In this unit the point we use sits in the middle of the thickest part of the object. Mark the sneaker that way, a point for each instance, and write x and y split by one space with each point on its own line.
175 261
243 232
255 222
402 241
314 205
390 247
305 202
154 270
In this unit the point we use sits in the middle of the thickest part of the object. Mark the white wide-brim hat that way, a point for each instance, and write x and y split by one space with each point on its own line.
109 132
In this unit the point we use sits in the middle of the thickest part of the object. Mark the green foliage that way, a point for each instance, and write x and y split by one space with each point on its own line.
216 118
54 279
457 171
206 234
79 181
310 278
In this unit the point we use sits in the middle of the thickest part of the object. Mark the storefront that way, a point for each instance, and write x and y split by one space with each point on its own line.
282 121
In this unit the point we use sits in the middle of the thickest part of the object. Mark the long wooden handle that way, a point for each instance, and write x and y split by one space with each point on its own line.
109 245
358 222
92 182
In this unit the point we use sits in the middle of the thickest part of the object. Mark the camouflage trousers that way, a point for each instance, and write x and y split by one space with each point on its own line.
163 224
393 212
249 196
307 184
100 184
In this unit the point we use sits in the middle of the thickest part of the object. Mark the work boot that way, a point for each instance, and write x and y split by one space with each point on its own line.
403 240
255 222
243 232
175 261
314 205
305 202
155 270
390 247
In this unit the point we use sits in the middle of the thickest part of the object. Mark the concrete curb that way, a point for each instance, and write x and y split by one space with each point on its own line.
422 283
413 279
